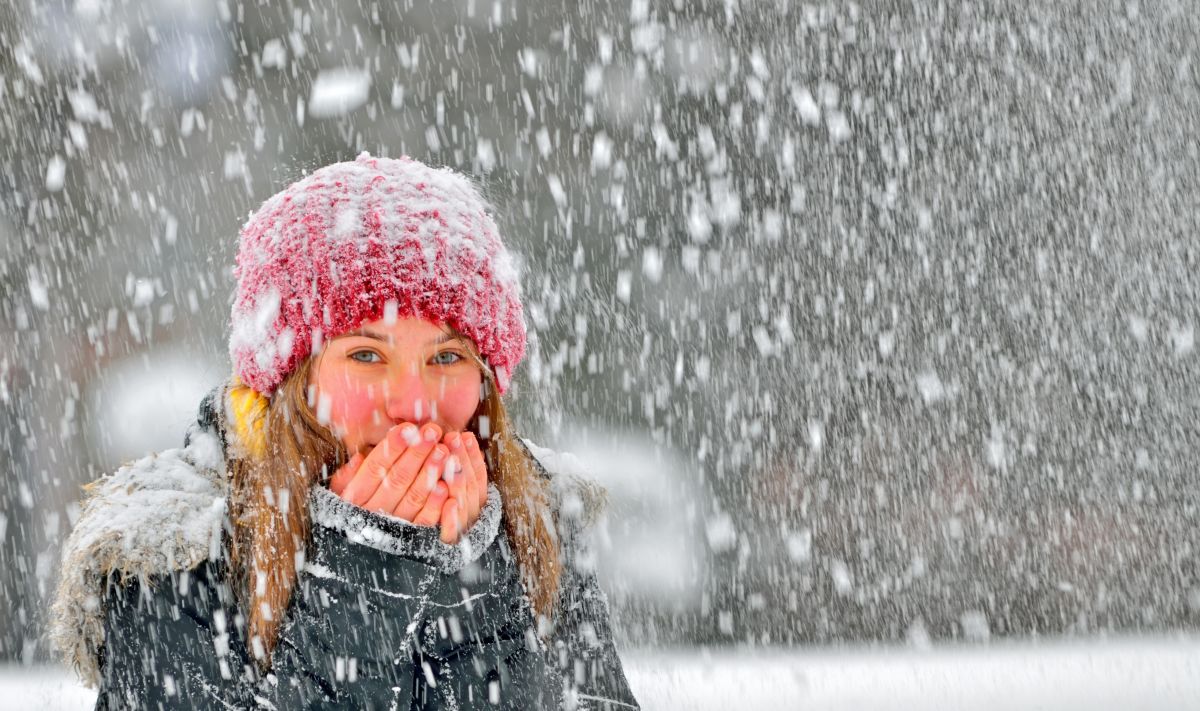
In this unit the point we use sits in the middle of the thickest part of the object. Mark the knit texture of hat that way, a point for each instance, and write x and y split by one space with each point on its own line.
361 240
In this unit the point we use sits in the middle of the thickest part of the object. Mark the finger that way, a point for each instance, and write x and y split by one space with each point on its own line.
414 475
345 473
479 466
456 479
401 472
449 521
377 463
404 478
431 513
413 500
469 498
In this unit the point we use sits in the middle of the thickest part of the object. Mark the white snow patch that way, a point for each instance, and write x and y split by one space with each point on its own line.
1183 338
699 226
917 635
143 292
930 387
1139 328
38 293
828 94
975 626
652 264
839 572
839 126
24 56
274 54
161 513
556 190
544 143
251 328
624 285
799 546
485 155
234 165
78 135
338 91
593 80
84 106
319 571
602 147
346 222
56 173
763 341
816 435
995 453
1155 674
528 58
806 105
721 533
887 343
726 203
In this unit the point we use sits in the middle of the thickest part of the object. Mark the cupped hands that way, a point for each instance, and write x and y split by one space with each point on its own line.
419 474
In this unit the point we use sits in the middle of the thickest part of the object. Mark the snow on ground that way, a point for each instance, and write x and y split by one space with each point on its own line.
1126 674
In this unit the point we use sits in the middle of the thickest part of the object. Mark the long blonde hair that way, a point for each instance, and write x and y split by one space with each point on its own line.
285 450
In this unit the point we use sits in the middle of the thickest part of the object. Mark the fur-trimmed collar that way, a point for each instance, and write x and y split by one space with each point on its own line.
160 514
165 513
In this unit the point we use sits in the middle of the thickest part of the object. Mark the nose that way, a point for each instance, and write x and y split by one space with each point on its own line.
408 397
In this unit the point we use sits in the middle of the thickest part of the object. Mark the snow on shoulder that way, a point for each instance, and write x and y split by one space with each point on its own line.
578 496
159 514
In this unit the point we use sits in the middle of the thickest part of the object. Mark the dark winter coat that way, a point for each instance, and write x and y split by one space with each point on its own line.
385 615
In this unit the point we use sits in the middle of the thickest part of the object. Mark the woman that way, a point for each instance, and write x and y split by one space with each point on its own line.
352 521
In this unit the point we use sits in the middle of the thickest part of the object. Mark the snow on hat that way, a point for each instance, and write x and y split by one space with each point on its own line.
361 240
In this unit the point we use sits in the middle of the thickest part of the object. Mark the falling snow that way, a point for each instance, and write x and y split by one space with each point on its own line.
878 323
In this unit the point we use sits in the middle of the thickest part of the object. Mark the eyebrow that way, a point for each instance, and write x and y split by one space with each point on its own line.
384 339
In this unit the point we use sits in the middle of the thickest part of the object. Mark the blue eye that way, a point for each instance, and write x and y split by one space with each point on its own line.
439 360
365 356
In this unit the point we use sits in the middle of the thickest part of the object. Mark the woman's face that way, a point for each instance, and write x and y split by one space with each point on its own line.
368 380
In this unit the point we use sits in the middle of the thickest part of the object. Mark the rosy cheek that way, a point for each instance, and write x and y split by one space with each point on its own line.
458 403
352 405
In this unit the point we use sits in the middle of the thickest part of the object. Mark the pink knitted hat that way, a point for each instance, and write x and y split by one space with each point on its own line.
355 240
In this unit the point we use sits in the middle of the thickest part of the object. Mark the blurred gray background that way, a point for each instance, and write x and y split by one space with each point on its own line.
877 319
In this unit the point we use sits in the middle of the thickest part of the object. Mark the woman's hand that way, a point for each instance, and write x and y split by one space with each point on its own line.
401 476
412 476
467 481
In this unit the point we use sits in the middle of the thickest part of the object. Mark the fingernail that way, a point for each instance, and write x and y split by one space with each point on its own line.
455 441
411 434
431 433
439 453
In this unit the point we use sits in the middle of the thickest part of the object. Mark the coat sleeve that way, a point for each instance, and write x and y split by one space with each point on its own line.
582 648
170 643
